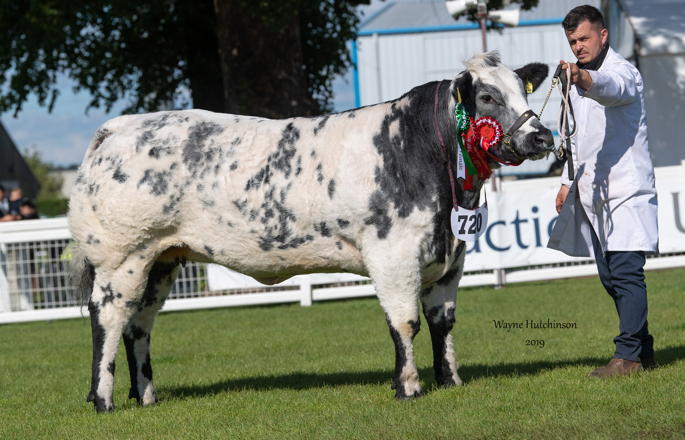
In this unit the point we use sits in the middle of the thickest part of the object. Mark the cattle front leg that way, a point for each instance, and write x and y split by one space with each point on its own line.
397 281
138 331
405 380
439 303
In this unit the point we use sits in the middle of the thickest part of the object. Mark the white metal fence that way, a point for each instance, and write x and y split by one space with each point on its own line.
34 258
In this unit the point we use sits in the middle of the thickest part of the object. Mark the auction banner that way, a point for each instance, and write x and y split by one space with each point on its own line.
522 215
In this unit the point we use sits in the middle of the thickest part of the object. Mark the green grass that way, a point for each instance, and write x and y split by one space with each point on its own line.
323 372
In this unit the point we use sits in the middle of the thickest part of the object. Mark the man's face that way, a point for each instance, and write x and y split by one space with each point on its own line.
587 40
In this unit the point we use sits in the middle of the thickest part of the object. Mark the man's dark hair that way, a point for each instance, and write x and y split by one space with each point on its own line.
27 202
2 188
581 13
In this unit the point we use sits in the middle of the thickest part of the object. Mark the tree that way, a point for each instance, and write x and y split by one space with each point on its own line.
50 183
258 57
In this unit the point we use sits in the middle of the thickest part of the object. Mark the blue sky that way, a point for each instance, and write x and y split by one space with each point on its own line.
63 135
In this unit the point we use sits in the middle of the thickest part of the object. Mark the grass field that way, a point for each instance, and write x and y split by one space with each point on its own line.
323 372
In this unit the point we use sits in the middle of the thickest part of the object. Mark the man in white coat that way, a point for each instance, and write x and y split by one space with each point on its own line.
609 208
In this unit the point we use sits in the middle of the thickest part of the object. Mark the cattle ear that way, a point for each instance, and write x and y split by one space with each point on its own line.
532 75
463 83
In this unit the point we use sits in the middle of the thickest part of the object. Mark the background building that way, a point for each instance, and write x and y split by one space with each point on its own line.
651 34
13 169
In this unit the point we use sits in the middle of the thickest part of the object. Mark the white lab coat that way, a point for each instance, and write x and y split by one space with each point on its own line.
613 190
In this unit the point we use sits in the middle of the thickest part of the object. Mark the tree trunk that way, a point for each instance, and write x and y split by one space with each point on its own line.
261 59
202 54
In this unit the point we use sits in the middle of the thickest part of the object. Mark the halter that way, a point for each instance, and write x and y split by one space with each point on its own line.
522 119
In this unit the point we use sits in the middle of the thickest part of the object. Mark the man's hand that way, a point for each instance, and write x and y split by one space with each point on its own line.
579 76
561 197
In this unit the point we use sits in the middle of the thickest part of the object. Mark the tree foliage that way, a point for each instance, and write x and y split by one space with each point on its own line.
50 183
245 56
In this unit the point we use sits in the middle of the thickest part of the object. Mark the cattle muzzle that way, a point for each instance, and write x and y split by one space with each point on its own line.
535 145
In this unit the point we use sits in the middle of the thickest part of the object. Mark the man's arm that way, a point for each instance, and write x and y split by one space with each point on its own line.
613 88
561 197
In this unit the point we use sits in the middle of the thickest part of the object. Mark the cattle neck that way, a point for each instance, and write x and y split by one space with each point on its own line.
441 140
444 117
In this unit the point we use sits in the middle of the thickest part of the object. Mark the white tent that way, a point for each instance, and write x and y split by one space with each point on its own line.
652 35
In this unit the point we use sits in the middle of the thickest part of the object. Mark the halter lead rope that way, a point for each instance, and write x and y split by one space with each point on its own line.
565 134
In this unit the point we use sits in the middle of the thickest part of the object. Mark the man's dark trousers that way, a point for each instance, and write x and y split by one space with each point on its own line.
622 274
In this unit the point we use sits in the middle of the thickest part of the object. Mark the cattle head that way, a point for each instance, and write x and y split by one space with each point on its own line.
489 88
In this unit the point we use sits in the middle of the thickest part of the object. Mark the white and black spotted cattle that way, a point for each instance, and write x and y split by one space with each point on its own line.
364 191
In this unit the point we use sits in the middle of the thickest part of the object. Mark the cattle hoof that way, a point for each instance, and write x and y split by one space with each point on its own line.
401 395
448 382
101 406
99 403
133 394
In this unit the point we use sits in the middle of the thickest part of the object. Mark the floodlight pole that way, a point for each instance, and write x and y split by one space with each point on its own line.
482 15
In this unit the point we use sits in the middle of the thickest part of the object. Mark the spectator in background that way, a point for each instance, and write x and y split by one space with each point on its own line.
16 195
27 210
4 202
20 208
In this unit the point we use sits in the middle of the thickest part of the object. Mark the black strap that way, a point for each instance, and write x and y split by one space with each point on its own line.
517 124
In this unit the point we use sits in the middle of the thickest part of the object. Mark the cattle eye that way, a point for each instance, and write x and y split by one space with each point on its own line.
487 99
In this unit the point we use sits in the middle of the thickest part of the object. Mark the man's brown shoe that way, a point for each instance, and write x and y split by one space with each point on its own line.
616 367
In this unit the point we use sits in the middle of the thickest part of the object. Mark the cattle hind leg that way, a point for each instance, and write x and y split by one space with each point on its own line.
109 314
137 332
439 302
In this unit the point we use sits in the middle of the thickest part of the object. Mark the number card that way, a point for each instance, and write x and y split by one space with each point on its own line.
469 224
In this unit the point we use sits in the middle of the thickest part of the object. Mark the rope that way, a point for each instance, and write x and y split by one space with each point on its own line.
565 134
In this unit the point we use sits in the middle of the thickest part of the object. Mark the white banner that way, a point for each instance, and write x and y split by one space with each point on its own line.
522 215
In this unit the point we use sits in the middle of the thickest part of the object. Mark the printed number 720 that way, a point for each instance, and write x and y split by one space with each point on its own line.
475 223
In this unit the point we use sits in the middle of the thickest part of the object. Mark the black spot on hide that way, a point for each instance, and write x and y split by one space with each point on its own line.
321 124
234 166
342 223
279 160
331 188
338 245
156 180
174 199
351 115
108 294
319 173
323 229
209 251
100 135
119 175
378 206
144 139
200 152
159 273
